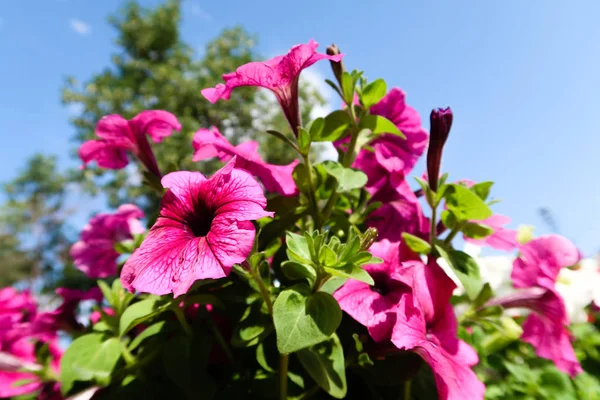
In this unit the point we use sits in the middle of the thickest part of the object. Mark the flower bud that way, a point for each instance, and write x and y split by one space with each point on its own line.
368 238
336 66
441 122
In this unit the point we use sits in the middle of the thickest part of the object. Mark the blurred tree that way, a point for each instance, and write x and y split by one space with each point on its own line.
32 222
155 69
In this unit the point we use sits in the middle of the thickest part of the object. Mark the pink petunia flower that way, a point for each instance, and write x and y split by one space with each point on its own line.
400 212
203 229
391 154
375 306
545 328
501 239
541 259
118 136
210 143
94 254
64 317
15 305
426 325
279 74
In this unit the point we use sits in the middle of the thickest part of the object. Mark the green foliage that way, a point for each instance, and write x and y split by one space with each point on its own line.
324 362
466 269
465 204
347 178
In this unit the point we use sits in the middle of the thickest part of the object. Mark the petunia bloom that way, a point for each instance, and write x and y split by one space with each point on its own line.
203 229
400 212
375 306
392 154
427 326
210 143
94 254
545 328
279 74
541 260
118 136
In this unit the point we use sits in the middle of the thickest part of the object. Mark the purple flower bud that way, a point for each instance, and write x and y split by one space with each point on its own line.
336 66
441 122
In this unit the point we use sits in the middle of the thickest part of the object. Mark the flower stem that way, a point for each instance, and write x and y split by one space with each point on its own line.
433 228
219 337
407 387
127 356
312 194
283 375
264 292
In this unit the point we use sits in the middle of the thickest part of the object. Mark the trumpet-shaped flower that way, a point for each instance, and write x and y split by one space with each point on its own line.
94 254
279 74
118 136
210 143
203 229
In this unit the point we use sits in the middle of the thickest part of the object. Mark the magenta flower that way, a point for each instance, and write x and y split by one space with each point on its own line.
392 154
118 136
210 143
375 306
15 305
541 259
427 326
94 254
501 239
279 74
65 316
545 328
202 230
400 212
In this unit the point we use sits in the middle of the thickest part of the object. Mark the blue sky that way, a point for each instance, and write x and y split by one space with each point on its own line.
521 76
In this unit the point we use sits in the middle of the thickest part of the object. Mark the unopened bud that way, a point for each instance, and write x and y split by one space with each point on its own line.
368 238
336 66
441 122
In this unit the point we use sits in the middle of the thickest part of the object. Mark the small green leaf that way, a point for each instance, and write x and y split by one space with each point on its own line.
351 271
373 93
333 127
90 357
347 178
297 248
483 296
106 292
448 219
303 319
474 230
482 189
138 313
466 269
416 244
379 125
465 204
327 257
150 331
303 140
348 86
282 137
300 175
296 271
324 362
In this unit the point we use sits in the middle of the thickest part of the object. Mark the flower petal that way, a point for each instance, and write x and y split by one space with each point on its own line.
157 124
106 154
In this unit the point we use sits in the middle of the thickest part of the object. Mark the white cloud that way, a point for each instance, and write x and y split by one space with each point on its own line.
80 26
200 12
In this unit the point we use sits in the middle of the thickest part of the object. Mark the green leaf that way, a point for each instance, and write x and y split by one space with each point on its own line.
484 295
379 125
150 331
347 178
303 319
300 175
556 385
448 219
333 127
303 140
474 230
106 292
281 136
466 269
90 357
465 204
416 244
482 189
353 272
295 270
373 93
324 362
327 257
297 248
140 312
348 86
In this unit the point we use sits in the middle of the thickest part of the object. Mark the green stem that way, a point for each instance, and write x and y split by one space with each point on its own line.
181 318
407 387
283 375
312 193
264 292
127 356
433 229
219 337
453 233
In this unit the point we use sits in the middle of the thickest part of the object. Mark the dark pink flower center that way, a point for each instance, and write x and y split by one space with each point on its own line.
384 285
201 222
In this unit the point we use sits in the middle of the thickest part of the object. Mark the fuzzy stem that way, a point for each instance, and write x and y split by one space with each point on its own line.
283 375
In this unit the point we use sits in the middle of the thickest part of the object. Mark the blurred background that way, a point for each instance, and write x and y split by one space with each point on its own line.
521 77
